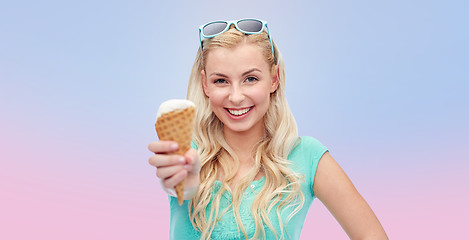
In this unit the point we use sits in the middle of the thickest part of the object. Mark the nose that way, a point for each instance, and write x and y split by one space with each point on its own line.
236 95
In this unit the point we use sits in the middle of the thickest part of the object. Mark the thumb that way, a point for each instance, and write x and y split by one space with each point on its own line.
192 159
191 156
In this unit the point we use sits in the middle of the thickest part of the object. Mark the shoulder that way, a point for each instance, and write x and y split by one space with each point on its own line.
305 159
306 154
308 146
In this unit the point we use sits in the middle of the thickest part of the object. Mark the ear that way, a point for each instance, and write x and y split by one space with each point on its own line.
274 85
204 82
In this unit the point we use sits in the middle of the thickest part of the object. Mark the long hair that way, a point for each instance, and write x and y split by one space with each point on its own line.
282 188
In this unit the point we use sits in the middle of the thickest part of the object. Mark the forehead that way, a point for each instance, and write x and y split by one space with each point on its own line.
238 58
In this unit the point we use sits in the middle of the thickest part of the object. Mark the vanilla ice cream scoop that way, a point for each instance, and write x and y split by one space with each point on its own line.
172 105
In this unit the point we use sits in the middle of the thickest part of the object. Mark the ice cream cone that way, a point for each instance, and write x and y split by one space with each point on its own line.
175 122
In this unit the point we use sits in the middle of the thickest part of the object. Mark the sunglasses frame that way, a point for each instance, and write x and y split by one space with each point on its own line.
235 23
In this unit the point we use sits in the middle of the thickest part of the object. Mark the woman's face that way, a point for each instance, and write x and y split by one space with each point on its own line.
238 82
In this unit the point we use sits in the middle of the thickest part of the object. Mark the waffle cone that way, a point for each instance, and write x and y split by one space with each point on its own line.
177 126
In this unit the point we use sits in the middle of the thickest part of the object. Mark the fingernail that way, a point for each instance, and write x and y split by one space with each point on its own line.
182 160
174 146
187 166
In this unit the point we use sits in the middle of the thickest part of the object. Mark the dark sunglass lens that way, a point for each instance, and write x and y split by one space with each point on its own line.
214 28
253 26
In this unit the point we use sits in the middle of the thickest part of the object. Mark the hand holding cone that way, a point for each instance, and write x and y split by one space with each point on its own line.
175 122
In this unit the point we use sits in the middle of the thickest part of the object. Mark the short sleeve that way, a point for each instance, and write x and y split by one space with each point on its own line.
317 150
305 157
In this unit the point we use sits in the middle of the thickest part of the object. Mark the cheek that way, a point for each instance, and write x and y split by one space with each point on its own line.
217 97
217 104
260 96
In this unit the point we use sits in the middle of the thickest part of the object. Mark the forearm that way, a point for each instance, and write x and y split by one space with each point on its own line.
190 189
189 193
359 221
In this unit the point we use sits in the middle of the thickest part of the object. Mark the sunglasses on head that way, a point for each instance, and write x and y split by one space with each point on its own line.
246 26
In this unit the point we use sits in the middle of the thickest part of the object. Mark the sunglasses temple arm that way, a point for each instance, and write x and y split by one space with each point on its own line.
271 45
200 38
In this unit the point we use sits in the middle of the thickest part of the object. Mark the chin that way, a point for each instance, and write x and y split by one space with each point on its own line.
238 129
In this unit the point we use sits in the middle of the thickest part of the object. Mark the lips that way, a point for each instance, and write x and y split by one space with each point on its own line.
239 112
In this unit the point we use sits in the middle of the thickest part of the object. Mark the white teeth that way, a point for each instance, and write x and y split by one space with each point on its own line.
239 112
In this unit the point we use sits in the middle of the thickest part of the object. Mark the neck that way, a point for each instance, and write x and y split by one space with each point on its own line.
243 143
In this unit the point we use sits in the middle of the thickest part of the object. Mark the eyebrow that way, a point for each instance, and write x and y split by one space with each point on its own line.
250 71
218 74
244 74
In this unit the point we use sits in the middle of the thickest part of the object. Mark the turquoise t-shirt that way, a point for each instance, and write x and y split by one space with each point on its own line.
305 158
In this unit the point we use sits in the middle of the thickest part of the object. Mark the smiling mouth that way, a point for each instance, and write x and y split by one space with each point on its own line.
239 112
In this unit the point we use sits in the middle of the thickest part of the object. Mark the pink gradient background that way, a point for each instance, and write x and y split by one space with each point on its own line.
382 85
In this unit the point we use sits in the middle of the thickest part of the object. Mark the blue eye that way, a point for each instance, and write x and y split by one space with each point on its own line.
219 81
251 79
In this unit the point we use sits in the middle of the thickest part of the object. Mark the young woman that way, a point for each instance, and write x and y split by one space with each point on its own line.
249 175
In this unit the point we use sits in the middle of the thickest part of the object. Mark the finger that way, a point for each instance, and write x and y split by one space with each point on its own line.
188 167
192 160
166 172
175 179
191 156
162 160
163 146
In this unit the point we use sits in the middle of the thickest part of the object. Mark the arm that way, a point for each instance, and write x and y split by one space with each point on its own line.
335 190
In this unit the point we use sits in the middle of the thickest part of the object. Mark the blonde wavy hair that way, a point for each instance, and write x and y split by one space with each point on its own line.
282 185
